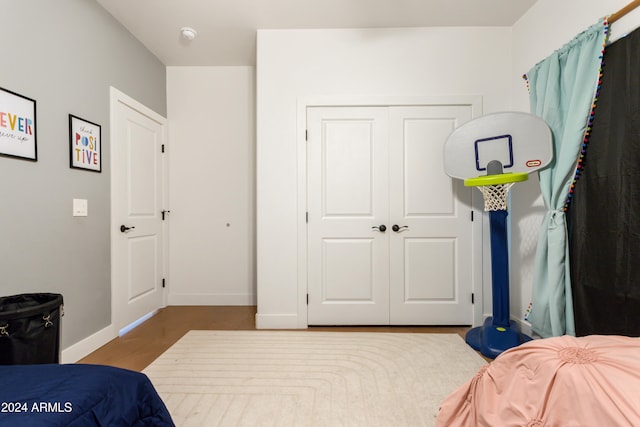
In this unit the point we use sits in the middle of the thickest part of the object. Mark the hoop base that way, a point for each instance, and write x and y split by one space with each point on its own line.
491 340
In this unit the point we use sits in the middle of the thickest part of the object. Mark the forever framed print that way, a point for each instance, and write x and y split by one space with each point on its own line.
85 144
17 126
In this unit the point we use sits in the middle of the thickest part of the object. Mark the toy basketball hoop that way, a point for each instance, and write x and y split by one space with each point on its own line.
493 153
495 188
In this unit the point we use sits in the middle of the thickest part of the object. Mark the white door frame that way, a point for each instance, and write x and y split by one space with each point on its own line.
473 101
115 97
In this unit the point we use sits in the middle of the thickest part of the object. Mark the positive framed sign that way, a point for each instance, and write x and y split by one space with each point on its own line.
85 144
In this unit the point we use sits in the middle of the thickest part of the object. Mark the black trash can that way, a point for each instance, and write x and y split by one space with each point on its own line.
30 329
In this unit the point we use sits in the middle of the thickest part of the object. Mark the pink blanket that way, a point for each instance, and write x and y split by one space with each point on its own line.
563 381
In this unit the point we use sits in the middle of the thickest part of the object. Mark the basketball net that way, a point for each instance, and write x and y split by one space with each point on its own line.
495 196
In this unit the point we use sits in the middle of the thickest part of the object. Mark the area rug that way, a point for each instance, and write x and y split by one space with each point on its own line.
305 378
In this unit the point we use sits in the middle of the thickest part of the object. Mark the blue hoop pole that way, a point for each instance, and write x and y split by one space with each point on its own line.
499 267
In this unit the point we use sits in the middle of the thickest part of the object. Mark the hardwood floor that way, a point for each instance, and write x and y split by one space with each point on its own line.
141 346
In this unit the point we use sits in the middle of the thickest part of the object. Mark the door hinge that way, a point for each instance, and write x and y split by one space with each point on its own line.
306 135
307 299
306 217
473 298
471 216
162 148
163 284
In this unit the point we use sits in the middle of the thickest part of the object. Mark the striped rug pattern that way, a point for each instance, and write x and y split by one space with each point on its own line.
308 378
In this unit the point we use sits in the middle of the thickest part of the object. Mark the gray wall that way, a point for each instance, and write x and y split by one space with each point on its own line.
65 54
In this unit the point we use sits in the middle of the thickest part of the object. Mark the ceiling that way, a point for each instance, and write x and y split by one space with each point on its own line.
226 29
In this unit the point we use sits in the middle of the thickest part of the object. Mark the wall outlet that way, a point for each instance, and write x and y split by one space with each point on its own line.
80 207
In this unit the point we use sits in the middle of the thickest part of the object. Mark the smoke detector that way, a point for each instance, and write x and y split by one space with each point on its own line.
188 33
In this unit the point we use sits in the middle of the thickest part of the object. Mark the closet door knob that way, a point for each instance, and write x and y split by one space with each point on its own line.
397 228
382 228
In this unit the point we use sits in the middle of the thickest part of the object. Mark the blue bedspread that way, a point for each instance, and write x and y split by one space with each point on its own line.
78 395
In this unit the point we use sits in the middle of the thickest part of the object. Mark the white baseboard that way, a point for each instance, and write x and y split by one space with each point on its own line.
525 327
211 299
277 321
88 345
136 323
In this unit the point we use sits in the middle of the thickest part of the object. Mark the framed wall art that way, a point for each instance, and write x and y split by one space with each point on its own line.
17 126
85 144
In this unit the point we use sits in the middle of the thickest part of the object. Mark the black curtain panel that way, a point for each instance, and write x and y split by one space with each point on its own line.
604 214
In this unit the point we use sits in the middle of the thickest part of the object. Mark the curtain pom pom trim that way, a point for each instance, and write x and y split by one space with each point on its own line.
587 134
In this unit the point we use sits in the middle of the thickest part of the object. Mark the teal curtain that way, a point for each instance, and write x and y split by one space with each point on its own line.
562 90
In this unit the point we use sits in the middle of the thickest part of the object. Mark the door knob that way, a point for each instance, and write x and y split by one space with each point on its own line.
397 228
124 228
382 228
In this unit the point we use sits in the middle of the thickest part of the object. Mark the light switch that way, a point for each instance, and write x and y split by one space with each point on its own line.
80 207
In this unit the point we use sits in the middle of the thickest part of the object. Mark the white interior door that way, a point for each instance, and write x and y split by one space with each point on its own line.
382 166
431 253
348 182
137 143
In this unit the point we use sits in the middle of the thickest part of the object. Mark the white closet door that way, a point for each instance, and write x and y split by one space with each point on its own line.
431 253
371 168
348 180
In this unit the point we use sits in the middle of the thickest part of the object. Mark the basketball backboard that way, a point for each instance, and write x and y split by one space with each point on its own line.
521 142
